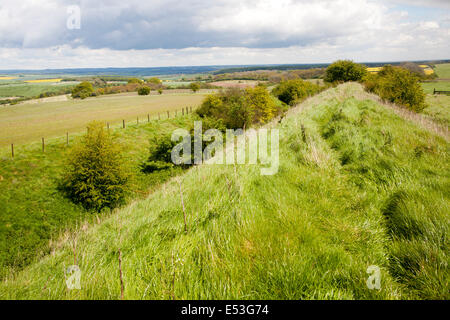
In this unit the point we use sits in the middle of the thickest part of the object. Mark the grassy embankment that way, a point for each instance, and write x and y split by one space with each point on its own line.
362 186
30 122
33 211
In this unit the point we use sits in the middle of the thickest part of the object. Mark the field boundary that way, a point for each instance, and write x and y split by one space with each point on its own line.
109 125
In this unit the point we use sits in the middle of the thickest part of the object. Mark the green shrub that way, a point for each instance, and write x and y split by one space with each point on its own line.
294 91
83 90
135 80
144 91
345 70
96 176
236 108
154 80
194 86
399 86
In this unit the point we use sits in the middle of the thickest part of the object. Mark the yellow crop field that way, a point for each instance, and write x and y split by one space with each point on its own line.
8 78
43 80
374 70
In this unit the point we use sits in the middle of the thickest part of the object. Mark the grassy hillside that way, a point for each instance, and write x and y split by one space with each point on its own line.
30 122
365 187
32 210
443 70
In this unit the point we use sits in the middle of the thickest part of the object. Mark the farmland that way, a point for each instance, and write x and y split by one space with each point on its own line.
443 70
365 187
31 90
30 122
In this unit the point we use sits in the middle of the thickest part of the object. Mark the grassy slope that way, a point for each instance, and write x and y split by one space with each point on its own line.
30 122
367 188
32 210
443 70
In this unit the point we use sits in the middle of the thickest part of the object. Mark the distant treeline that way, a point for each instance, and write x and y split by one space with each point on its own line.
314 66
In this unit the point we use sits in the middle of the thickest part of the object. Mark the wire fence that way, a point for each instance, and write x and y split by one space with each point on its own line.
123 124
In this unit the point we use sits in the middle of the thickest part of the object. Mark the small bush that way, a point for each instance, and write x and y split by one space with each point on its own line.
399 86
83 90
345 70
144 91
154 80
236 108
96 176
194 86
135 81
294 91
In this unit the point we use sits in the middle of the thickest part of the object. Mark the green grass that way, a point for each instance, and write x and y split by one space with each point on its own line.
443 70
29 90
33 211
366 188
438 106
428 87
438 109
30 122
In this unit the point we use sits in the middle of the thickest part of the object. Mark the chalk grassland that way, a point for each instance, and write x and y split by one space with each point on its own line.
30 122
438 106
359 186
443 70
34 213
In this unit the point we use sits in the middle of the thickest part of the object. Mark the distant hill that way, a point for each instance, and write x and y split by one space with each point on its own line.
217 69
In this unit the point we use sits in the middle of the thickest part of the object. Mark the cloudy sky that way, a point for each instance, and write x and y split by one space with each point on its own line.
38 34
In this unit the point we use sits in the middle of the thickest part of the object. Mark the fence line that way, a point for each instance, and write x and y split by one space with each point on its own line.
440 92
185 110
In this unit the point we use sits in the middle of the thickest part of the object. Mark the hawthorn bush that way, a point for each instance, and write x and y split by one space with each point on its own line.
294 91
399 86
144 91
345 70
236 108
83 90
96 176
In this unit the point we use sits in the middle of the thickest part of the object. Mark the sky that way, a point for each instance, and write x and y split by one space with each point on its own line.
48 34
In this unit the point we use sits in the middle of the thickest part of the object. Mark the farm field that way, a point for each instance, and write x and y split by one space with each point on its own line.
31 90
30 122
428 87
443 70
360 186
35 214
236 83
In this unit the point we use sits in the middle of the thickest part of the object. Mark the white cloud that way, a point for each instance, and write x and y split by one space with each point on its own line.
33 33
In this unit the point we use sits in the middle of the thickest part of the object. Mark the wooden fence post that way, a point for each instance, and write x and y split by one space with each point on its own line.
148 117
182 110
123 124
43 145
12 150
67 138
168 115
